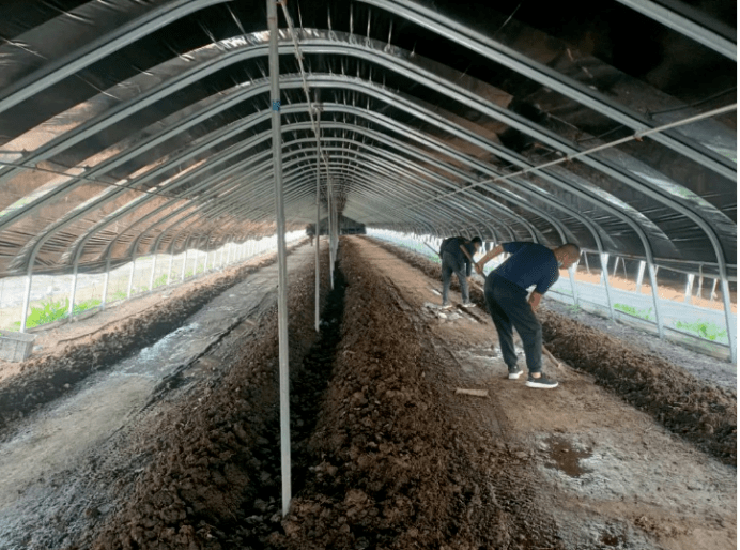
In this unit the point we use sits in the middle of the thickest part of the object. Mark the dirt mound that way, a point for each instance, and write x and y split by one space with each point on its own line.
210 455
703 414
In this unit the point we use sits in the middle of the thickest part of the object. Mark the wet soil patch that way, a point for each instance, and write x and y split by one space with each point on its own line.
565 458
49 377
701 413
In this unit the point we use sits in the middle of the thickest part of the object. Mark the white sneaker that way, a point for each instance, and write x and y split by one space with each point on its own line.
468 305
515 373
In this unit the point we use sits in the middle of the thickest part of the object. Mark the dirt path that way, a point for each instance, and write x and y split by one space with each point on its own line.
49 458
606 473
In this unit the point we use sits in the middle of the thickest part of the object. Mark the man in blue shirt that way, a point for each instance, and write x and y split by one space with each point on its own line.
457 255
505 291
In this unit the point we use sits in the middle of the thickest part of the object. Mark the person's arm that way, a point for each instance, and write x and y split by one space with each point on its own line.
469 261
495 251
534 300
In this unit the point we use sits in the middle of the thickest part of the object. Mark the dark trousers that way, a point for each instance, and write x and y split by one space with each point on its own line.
508 306
451 265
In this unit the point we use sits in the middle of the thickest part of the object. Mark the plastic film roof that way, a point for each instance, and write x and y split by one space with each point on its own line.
129 127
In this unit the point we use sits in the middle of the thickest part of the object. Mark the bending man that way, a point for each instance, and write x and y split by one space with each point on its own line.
457 257
505 292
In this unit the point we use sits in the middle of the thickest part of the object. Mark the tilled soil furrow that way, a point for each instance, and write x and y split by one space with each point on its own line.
702 414
50 377
394 468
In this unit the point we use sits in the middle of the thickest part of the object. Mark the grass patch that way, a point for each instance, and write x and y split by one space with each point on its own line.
703 329
83 306
160 281
119 295
646 314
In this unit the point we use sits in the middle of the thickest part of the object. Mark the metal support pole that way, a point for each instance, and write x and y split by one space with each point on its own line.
73 290
131 277
605 276
711 294
640 276
26 298
184 263
169 267
329 232
689 288
154 270
273 57
731 334
616 265
585 259
701 282
105 282
653 274
571 271
317 236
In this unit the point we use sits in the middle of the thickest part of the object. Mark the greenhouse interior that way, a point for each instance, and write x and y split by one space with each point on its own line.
378 274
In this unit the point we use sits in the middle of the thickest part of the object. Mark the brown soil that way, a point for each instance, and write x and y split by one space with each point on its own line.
386 454
702 413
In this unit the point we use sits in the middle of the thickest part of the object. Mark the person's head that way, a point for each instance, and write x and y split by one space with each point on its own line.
477 242
567 254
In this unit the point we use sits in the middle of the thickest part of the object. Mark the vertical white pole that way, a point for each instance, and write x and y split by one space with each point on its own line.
605 277
184 263
689 288
731 333
154 269
105 282
640 276
571 271
653 274
282 263
169 267
131 277
73 290
26 298
317 236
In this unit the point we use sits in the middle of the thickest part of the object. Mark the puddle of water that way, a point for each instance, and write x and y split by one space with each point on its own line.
565 458
608 539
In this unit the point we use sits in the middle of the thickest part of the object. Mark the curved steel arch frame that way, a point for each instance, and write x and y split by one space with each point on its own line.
427 18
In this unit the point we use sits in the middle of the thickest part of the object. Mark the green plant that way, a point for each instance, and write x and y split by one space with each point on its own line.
704 329
47 313
160 281
639 313
119 295
82 306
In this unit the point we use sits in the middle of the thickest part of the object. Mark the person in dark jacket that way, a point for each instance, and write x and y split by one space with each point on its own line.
505 292
457 257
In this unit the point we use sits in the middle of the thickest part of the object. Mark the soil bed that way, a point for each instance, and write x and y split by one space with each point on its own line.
386 453
56 372
700 412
